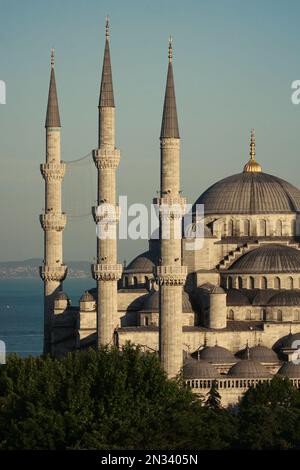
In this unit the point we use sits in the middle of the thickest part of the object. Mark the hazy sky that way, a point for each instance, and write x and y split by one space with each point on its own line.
234 62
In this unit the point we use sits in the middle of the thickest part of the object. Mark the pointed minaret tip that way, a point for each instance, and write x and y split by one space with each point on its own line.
169 125
106 99
52 116
252 166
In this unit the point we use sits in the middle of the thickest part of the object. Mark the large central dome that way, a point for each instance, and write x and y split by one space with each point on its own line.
250 193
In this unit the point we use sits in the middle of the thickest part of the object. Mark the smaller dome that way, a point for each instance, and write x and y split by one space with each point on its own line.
287 342
217 355
286 298
258 353
194 369
249 369
61 296
87 297
151 303
212 288
290 370
237 297
142 263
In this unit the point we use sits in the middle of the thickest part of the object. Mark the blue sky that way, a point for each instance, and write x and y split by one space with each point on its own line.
234 63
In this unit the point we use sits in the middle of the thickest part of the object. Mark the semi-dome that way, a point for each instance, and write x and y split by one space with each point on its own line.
142 263
288 342
217 355
286 298
249 369
258 353
269 258
198 369
237 297
151 303
290 370
250 193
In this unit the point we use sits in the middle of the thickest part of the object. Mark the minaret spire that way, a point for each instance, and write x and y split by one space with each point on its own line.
169 126
252 166
52 116
106 90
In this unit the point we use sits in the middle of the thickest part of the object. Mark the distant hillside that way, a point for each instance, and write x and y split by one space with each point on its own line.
29 268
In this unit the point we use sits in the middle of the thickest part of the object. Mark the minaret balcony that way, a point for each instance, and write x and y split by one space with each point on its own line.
171 275
171 207
53 171
53 221
106 213
53 273
107 272
106 158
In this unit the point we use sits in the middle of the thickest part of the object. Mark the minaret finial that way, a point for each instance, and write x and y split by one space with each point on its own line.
252 166
170 54
107 28
252 145
52 58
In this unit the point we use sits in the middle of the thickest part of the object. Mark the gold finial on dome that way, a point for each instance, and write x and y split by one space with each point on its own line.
252 166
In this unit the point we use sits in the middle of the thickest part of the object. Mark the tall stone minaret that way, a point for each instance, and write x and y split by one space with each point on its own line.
170 273
53 221
107 271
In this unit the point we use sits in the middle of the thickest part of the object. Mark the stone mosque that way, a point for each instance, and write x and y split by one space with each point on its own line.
227 312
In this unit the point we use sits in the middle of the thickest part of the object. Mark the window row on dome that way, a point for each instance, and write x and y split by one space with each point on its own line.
258 227
261 282
134 281
226 383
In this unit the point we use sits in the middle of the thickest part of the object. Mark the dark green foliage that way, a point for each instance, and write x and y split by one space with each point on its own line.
214 398
114 399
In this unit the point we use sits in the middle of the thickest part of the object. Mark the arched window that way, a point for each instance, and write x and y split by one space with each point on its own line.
146 279
229 282
251 282
230 228
146 321
290 283
297 315
248 315
276 283
246 228
263 314
135 281
264 283
231 315
262 228
240 282
279 228
126 281
293 227
279 315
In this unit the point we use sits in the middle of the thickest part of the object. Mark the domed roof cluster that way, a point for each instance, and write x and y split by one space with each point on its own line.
269 258
250 193
151 303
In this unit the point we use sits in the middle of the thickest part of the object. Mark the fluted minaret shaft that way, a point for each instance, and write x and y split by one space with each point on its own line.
171 274
106 271
53 221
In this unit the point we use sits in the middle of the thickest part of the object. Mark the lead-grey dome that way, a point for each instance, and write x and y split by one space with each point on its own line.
270 258
288 342
286 298
87 297
194 369
250 193
249 369
290 370
217 355
61 296
151 303
142 263
258 353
